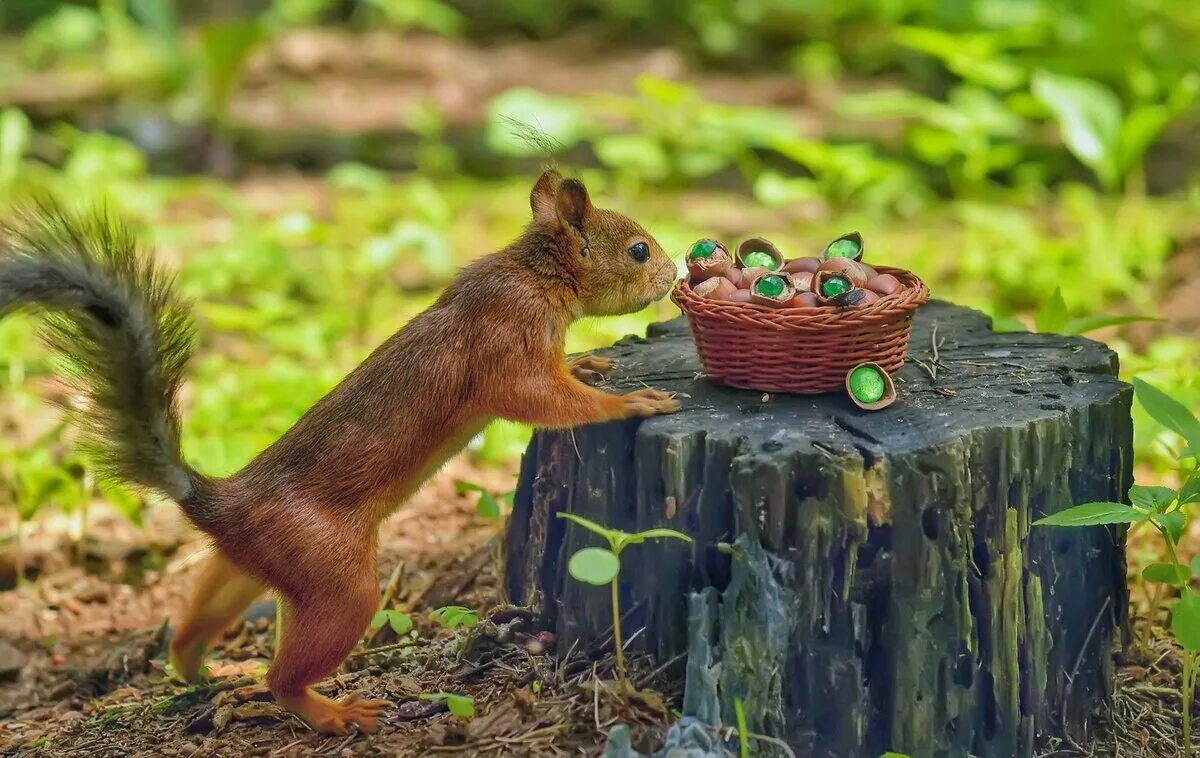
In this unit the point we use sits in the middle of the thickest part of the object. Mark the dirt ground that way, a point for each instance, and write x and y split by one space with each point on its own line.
84 671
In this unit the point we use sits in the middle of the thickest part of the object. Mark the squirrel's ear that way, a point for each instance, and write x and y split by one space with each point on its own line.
543 200
573 203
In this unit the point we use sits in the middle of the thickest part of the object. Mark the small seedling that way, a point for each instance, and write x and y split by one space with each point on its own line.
454 616
598 566
491 507
1052 318
1165 510
462 706
739 711
400 622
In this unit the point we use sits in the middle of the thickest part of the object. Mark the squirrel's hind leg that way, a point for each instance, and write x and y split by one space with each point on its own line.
320 628
219 598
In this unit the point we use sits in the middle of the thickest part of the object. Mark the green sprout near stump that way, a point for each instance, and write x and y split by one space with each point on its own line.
1164 509
462 706
600 566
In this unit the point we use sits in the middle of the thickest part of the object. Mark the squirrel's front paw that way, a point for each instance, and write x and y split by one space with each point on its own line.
590 369
649 402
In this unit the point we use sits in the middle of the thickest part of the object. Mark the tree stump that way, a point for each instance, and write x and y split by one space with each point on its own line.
885 590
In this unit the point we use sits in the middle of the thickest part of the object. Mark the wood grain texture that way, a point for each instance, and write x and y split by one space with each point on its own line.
900 600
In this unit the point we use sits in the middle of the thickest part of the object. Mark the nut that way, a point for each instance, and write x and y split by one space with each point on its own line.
799 265
771 288
757 252
849 245
870 387
716 288
884 284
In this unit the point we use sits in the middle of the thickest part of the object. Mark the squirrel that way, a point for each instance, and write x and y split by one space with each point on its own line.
302 517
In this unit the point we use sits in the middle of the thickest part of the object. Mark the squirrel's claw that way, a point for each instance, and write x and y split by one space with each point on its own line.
650 402
591 368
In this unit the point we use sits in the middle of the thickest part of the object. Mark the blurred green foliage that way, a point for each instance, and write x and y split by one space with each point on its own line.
998 149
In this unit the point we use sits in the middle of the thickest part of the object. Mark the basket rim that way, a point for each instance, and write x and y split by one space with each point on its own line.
886 310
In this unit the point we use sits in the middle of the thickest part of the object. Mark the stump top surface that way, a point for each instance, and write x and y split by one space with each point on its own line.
983 380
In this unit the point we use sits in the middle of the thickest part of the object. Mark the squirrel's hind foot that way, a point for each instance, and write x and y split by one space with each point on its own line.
334 716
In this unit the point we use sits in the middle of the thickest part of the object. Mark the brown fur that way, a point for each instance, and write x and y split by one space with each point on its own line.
302 516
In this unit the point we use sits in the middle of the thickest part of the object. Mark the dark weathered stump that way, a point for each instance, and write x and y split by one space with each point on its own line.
887 591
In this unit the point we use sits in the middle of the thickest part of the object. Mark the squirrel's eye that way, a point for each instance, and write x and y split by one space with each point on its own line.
640 252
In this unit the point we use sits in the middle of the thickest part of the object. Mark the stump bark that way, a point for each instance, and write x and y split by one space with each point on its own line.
886 590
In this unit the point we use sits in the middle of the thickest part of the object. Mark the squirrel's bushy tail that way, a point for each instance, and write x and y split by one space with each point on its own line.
125 333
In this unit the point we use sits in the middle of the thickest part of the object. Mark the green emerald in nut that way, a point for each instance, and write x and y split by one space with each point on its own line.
835 285
703 249
868 384
759 259
769 286
843 248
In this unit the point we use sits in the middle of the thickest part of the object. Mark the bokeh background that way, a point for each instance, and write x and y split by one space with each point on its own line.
317 170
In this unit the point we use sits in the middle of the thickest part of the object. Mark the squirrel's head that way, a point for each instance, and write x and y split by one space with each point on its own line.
611 262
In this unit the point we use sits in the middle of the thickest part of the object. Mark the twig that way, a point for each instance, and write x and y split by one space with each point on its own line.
1087 640
774 741
595 697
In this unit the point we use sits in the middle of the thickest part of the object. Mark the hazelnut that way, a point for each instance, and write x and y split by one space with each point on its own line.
716 288
802 265
803 300
708 258
857 273
884 284
849 246
870 387
757 252
772 288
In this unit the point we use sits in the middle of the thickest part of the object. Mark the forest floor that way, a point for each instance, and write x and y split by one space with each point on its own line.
85 672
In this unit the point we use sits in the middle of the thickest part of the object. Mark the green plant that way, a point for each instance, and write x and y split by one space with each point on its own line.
454 616
491 507
462 706
1052 318
400 622
739 710
599 566
1166 510
224 50
1096 128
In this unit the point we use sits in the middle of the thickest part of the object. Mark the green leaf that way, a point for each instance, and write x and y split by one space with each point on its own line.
454 616
225 48
1089 118
1152 498
1185 622
594 565
1052 316
608 534
662 533
1196 564
1190 491
1173 523
1138 133
400 622
1085 324
461 706
1166 573
1169 412
1094 514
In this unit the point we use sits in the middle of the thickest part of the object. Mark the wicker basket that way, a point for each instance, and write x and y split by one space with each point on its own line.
800 350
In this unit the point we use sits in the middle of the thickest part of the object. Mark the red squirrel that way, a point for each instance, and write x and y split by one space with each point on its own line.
302 517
